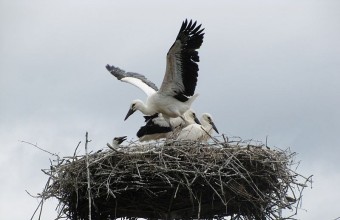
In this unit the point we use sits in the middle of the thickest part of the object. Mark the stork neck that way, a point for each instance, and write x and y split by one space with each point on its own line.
145 109
207 126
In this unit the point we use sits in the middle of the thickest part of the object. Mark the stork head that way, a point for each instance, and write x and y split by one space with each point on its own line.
135 105
207 118
190 117
118 140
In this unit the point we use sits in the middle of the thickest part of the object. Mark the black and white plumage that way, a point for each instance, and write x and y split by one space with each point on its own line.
195 132
176 93
157 127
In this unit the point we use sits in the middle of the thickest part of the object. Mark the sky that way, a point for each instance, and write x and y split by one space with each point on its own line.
267 69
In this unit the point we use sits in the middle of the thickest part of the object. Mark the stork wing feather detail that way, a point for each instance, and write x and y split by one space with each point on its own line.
135 79
181 74
155 125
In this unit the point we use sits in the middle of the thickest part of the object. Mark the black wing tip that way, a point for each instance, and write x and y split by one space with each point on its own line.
190 35
111 68
115 71
191 28
108 67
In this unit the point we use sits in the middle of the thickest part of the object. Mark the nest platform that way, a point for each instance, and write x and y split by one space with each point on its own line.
177 180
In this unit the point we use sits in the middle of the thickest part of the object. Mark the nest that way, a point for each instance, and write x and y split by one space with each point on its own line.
177 180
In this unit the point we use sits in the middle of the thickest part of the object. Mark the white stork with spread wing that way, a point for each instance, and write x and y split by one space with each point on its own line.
176 93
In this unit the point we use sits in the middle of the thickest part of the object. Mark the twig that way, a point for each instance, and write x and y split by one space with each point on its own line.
35 145
40 204
199 207
88 175
225 139
41 207
75 151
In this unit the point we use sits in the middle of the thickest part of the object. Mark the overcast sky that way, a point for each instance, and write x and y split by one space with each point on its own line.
268 68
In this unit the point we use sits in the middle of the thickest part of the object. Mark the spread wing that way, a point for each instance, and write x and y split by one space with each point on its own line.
181 73
135 79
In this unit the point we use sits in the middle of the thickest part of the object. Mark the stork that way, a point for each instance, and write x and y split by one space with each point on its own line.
157 127
195 132
176 93
116 142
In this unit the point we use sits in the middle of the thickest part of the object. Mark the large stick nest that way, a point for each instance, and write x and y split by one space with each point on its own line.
177 180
